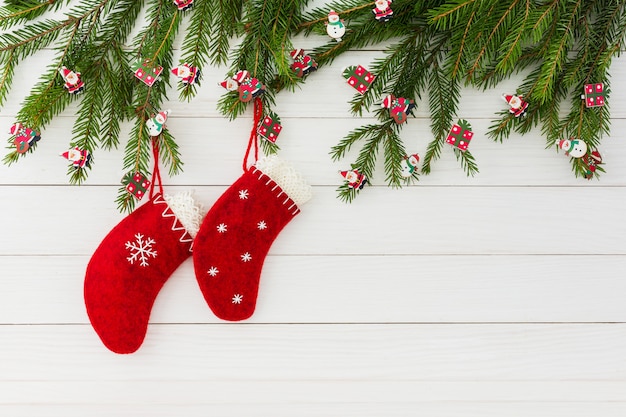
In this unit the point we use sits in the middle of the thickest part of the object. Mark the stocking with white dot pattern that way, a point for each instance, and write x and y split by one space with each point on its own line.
237 232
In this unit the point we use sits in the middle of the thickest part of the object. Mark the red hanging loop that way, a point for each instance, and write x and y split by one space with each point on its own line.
254 137
156 174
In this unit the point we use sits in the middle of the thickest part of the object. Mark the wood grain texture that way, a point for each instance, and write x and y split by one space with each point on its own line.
495 295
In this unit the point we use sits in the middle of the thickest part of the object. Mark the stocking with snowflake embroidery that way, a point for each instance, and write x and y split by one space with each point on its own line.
129 267
237 232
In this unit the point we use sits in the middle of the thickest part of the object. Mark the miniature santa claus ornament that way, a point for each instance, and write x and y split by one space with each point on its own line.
382 10
133 262
354 179
72 81
591 162
156 123
335 26
575 148
249 87
80 158
517 105
409 165
183 5
187 73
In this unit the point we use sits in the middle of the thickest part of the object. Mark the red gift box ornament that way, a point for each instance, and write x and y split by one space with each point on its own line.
183 5
270 127
517 106
460 135
358 77
71 80
594 95
137 184
146 72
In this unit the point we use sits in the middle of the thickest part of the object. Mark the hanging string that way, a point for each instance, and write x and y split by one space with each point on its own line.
254 137
156 174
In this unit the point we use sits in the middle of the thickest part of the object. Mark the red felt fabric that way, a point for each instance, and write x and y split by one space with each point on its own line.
119 294
233 241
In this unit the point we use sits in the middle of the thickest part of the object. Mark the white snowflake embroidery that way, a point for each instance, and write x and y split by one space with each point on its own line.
213 271
246 257
222 228
262 225
141 250
243 194
237 298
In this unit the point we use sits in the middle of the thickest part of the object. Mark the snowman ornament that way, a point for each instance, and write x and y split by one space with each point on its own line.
575 148
409 165
335 26
156 124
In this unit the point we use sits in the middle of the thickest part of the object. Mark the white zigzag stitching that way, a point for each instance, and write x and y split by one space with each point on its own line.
186 237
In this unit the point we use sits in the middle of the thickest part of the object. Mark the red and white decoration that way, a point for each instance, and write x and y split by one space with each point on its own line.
354 179
72 81
382 10
25 137
517 106
156 123
80 158
575 148
187 73
183 5
460 135
131 264
409 165
335 26
594 95
146 72
270 128
358 77
238 231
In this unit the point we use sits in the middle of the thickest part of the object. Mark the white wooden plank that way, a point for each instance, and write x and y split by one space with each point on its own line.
282 408
213 149
368 352
419 220
352 289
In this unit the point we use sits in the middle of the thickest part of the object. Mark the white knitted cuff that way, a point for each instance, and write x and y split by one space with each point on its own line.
283 174
186 210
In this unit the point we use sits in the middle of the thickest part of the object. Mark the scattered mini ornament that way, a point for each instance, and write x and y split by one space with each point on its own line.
399 107
591 161
156 123
187 73
230 84
358 77
460 135
25 137
248 86
575 148
137 184
270 127
517 105
183 5
594 95
382 11
79 158
354 179
303 64
335 26
146 72
409 165
72 80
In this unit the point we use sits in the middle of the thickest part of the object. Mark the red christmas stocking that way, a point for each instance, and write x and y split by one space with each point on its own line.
128 269
237 232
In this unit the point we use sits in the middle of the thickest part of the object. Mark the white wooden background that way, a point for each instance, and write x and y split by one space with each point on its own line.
498 295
